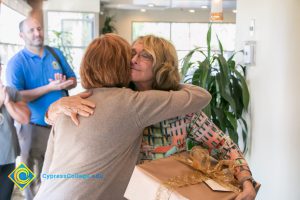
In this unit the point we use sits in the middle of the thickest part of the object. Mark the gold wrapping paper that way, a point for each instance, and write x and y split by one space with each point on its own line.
166 169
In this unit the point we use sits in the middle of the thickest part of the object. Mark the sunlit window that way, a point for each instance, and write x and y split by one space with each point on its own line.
156 28
186 36
10 42
71 32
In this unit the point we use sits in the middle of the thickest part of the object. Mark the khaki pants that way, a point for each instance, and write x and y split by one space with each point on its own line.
33 142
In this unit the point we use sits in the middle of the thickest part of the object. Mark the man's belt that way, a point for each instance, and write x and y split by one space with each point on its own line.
44 126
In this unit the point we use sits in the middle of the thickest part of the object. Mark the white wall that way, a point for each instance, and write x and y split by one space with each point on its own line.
274 83
124 18
73 5
20 6
90 6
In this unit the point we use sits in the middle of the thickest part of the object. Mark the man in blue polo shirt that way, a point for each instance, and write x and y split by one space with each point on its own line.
41 80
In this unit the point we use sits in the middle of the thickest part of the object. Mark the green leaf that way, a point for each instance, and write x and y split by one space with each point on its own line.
245 91
244 134
208 40
187 62
234 136
220 119
245 126
232 56
204 66
220 45
207 110
223 66
236 95
245 139
188 80
201 52
225 91
232 120
231 65
196 80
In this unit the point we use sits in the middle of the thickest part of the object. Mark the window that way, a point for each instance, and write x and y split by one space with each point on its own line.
157 28
186 36
10 42
71 32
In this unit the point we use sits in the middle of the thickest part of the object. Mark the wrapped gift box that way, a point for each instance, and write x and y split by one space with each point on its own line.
147 183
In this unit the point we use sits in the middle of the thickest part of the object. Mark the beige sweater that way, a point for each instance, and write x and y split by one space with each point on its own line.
108 142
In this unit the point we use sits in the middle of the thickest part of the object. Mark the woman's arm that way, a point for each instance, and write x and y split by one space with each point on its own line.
220 146
153 106
71 106
17 110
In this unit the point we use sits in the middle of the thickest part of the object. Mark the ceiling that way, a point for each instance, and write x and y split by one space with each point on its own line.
163 4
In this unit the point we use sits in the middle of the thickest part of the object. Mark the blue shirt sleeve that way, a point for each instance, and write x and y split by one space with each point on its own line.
68 71
14 74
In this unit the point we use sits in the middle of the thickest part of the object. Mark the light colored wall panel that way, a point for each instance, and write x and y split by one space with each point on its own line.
74 5
274 82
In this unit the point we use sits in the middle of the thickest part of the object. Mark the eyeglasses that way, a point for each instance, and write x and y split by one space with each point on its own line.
143 55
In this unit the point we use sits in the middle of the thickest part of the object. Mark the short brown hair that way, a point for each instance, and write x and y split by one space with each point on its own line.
165 62
106 63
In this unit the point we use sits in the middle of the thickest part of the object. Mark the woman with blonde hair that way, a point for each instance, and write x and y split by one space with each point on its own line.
107 143
171 136
161 73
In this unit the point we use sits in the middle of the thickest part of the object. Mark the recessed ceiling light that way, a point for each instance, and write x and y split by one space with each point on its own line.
151 5
143 10
204 7
234 11
191 11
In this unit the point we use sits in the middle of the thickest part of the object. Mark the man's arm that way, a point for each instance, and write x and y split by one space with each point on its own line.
74 83
63 78
30 95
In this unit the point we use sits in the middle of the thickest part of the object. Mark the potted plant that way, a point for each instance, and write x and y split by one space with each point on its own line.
62 40
225 80
108 26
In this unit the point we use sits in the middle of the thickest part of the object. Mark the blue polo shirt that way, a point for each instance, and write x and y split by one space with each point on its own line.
26 71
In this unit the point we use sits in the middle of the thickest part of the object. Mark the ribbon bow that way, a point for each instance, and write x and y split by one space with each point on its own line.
199 159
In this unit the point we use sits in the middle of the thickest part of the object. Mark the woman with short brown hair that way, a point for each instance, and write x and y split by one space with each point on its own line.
101 68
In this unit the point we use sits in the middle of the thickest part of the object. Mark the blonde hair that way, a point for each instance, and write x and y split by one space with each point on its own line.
165 62
106 63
